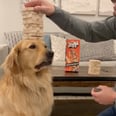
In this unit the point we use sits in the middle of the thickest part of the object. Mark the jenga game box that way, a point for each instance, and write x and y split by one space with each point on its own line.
72 56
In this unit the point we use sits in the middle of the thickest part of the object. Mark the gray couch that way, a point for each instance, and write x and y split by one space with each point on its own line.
104 51
3 54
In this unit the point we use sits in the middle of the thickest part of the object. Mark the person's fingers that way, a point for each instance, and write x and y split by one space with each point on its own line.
100 86
32 3
93 93
114 13
92 90
40 9
96 99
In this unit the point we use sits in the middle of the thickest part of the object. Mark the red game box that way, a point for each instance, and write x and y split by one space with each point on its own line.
72 56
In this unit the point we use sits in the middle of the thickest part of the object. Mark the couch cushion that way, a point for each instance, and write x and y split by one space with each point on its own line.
104 50
58 46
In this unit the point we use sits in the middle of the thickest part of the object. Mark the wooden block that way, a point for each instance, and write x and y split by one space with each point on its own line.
94 67
32 23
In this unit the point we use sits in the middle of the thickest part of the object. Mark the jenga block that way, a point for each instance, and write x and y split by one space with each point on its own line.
33 23
94 67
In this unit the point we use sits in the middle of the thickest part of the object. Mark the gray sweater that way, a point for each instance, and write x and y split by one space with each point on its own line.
89 31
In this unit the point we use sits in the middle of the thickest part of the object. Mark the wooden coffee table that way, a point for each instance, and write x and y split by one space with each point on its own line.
67 102
82 78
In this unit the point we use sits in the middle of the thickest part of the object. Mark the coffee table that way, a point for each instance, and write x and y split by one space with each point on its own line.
68 101
82 78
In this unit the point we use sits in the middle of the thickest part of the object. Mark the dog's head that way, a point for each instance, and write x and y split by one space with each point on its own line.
30 54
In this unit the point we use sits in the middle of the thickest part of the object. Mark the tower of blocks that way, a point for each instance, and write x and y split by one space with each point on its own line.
32 23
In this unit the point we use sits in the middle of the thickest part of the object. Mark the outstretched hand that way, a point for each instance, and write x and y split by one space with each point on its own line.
41 6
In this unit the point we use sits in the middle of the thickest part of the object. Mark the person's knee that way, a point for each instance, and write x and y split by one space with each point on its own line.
111 111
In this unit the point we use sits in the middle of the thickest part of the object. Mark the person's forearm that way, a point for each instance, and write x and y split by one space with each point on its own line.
93 32
71 24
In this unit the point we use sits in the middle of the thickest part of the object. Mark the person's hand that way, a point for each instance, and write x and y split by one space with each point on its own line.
114 9
105 96
114 2
41 6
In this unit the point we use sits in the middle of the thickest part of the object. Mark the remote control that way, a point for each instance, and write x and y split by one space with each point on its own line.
96 89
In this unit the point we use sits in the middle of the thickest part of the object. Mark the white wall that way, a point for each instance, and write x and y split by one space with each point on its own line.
11 19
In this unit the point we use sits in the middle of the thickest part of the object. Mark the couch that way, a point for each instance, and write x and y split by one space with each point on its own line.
104 51
3 54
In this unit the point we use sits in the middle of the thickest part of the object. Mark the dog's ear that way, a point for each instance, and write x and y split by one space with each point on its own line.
11 63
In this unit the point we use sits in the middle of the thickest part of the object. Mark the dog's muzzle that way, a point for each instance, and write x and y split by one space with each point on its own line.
49 56
47 61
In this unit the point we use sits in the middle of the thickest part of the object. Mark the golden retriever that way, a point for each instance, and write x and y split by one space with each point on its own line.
26 86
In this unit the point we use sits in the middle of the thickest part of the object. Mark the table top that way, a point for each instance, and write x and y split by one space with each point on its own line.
106 74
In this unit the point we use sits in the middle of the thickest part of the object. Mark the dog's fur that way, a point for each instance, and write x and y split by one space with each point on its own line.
25 88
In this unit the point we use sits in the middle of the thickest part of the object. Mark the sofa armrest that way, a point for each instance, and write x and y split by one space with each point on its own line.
3 52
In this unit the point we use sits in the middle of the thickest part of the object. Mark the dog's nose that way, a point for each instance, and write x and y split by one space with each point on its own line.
50 54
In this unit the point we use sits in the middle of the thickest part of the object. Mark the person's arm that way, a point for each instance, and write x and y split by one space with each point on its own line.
92 32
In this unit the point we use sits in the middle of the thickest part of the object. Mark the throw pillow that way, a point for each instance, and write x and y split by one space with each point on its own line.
58 46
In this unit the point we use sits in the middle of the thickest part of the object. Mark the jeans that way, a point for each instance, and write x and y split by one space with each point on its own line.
111 111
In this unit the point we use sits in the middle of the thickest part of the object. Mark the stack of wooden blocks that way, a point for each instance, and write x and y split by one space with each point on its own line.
33 23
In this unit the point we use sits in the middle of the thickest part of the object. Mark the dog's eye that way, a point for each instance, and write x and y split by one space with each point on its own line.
33 46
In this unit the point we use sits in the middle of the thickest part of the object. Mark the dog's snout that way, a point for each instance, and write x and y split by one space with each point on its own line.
50 54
